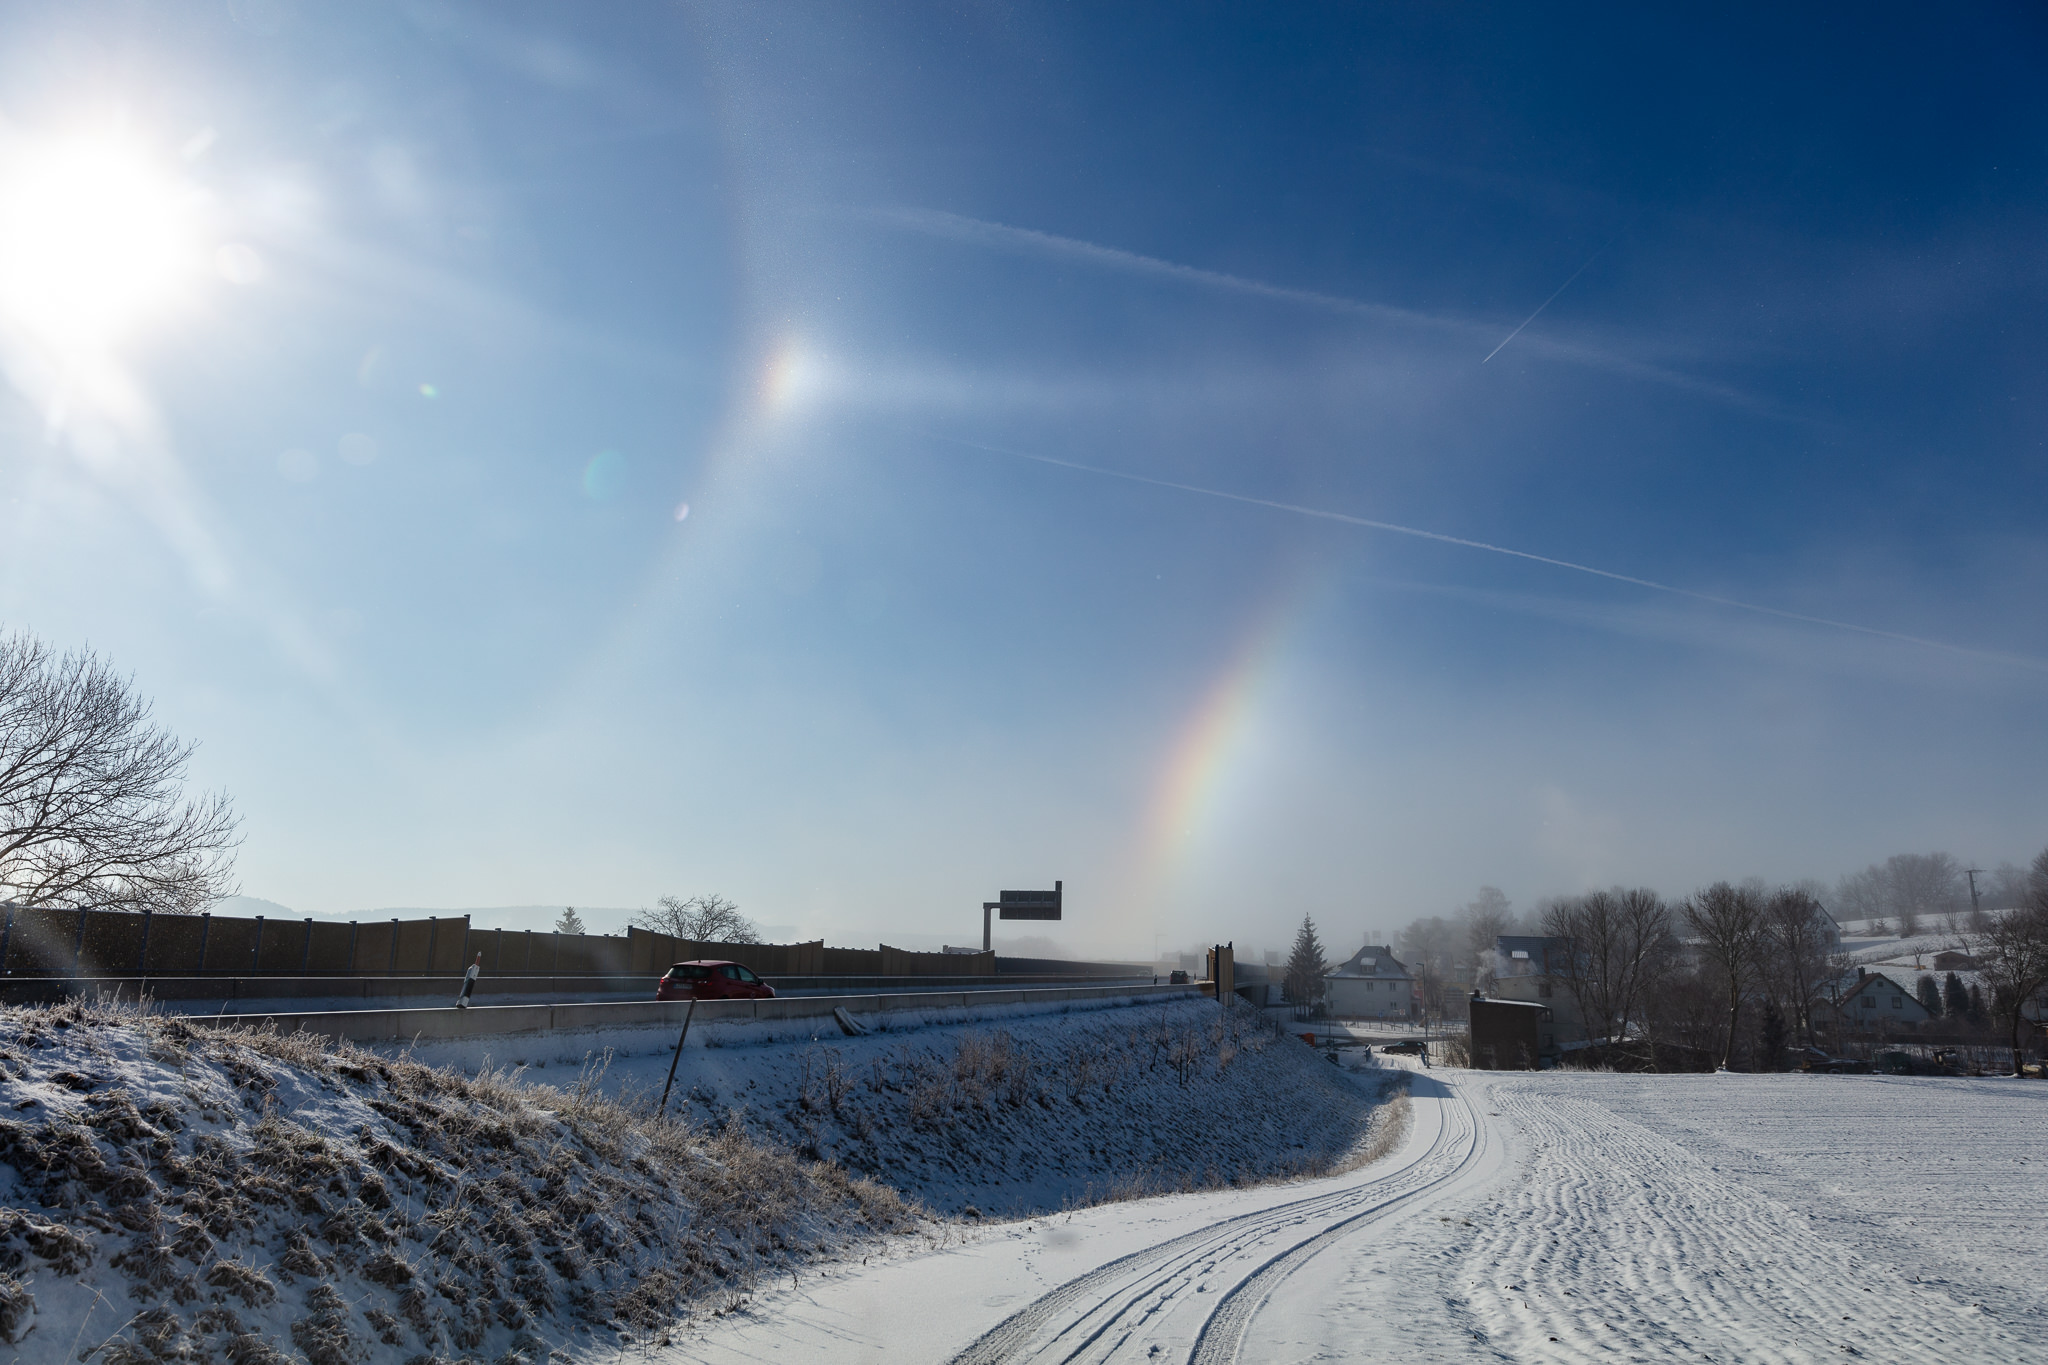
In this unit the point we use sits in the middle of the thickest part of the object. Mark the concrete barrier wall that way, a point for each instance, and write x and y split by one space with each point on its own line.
427 1025
382 991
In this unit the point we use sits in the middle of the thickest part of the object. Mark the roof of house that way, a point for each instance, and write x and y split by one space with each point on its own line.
1534 948
1853 988
1374 960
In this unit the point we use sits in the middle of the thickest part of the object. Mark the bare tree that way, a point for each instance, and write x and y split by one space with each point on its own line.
1862 895
1798 937
1430 948
1486 918
1906 888
700 919
1728 924
2014 953
1615 945
2006 887
92 804
1924 886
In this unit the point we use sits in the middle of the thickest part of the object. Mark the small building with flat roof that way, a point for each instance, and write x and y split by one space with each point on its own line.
1511 1035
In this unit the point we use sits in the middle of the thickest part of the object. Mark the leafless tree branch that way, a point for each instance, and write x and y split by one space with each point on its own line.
92 804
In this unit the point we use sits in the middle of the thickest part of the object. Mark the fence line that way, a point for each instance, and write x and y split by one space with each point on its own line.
36 941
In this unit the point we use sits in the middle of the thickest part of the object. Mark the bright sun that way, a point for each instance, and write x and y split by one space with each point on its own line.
95 238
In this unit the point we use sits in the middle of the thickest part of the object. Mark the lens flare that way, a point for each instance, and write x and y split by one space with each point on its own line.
605 476
790 375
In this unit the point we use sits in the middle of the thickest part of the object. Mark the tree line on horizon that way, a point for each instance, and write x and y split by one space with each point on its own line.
1734 969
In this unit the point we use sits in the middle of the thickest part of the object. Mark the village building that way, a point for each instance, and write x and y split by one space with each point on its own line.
1372 984
1535 969
1869 1001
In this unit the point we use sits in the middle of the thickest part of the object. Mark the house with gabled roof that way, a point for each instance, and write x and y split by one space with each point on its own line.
1871 1000
1371 984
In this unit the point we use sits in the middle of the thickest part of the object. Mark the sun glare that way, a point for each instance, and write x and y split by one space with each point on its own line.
95 238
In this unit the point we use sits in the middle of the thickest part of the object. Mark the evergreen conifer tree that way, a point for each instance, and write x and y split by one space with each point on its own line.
1930 995
1955 1000
1770 1040
1303 984
570 922
1976 1003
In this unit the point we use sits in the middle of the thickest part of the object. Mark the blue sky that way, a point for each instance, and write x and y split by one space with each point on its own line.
944 328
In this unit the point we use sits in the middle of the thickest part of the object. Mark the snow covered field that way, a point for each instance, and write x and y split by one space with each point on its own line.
1553 1217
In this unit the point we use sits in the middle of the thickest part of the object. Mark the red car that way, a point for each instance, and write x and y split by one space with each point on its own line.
709 980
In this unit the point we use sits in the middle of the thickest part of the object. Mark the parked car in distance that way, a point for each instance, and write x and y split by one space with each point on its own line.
1177 978
711 980
1413 1047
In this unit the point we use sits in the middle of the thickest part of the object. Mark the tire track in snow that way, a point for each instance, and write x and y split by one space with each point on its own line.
1111 1307
1223 1334
1618 1240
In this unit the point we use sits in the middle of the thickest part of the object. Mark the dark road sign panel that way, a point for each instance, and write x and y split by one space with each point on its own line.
1031 904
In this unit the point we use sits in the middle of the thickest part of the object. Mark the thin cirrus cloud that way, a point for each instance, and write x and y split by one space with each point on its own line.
1395 528
1485 337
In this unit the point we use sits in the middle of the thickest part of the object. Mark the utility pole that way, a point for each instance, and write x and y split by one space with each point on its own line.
1975 908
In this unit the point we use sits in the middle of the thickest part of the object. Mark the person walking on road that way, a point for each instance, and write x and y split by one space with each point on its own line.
469 982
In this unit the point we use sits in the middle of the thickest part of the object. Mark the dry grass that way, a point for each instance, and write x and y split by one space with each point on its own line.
451 1217
1102 1107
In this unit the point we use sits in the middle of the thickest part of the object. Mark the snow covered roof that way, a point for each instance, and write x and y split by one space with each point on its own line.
1373 960
1851 987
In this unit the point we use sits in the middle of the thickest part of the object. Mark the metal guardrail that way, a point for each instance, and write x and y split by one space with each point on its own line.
170 990
446 1022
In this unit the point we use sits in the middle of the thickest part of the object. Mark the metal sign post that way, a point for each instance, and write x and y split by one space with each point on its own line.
1022 905
688 1014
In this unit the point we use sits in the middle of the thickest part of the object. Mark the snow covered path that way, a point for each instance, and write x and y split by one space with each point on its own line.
1555 1217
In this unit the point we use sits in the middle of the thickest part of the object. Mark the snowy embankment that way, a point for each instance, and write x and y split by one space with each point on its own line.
1003 1112
175 1191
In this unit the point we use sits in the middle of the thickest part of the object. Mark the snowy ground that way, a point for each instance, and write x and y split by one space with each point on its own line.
1870 949
1552 1217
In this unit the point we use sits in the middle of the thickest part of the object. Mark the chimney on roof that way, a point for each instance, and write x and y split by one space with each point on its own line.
1859 973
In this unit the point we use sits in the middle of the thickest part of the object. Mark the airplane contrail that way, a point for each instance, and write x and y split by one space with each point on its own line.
1553 298
957 227
1418 533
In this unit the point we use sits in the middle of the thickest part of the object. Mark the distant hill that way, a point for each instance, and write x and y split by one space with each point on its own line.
248 907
